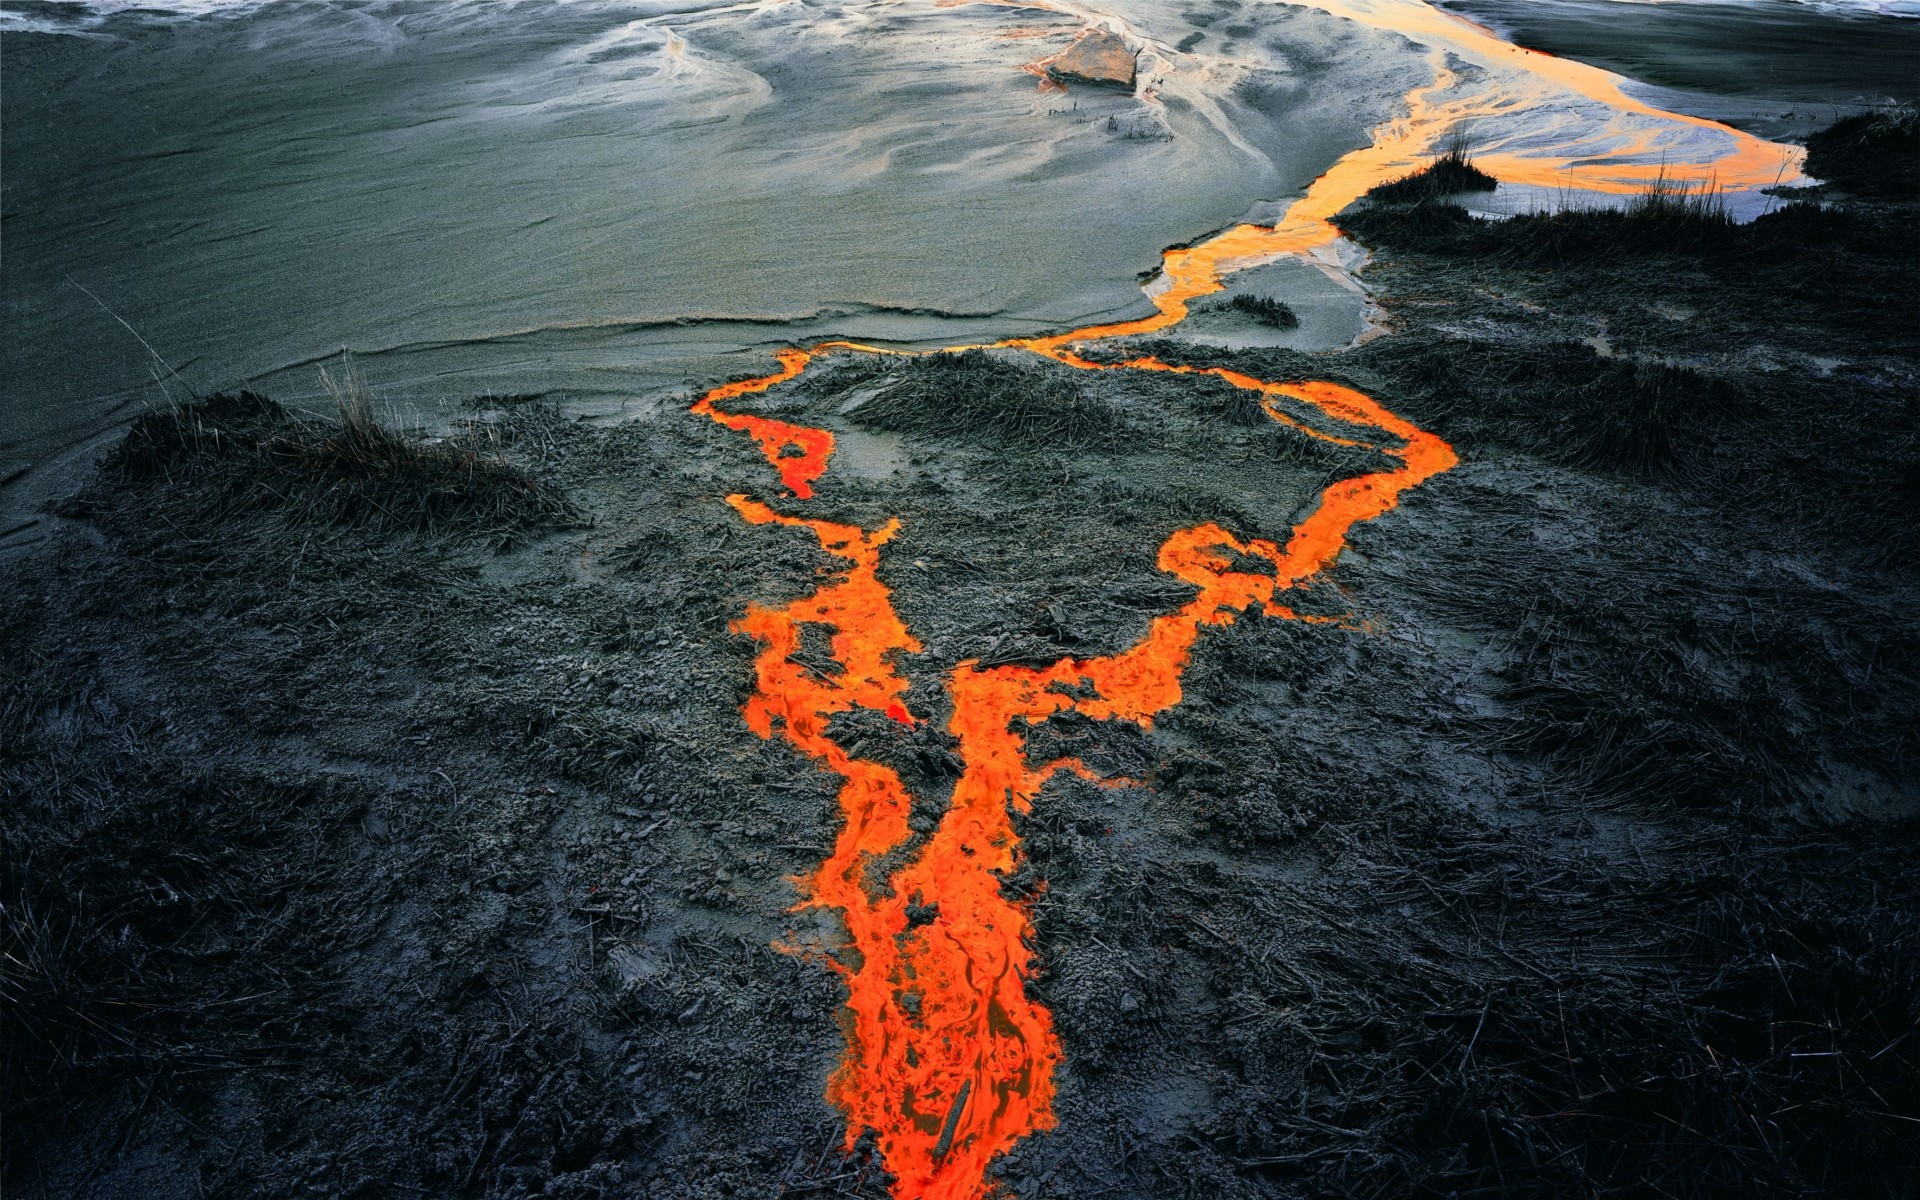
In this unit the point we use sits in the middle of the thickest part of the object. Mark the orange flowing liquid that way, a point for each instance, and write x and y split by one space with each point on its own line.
1635 145
949 1062
811 447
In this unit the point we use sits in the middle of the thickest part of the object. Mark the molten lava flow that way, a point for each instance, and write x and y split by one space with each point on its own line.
948 1061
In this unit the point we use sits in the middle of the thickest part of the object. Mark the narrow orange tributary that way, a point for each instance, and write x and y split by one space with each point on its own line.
949 1061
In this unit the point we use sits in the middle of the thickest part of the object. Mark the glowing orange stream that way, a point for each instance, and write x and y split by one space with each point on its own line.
811 447
948 1061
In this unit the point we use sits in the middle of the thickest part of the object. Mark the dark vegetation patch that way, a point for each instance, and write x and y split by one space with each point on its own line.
1275 314
1669 219
1566 403
1664 220
1768 990
190 941
1820 455
976 395
1451 174
1872 153
246 453
1366 976
1701 398
1481 1009
110 907
335 858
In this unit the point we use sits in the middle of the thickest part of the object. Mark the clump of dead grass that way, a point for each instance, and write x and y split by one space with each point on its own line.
1275 314
974 395
1451 174
1670 215
126 886
243 452
1873 153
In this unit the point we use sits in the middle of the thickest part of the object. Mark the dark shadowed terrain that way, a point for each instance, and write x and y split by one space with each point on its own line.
1790 51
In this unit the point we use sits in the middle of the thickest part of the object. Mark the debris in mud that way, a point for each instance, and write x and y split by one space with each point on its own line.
1097 57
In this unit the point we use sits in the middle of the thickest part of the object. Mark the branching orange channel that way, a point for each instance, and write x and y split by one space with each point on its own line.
948 1060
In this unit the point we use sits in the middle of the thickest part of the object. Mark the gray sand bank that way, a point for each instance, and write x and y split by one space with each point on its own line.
611 198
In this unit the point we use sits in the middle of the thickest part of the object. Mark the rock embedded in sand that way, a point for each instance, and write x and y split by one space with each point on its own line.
1098 57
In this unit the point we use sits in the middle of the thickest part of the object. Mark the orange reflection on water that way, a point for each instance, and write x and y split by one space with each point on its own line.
1623 153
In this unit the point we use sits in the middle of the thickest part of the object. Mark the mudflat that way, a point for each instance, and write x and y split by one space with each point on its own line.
603 202
1420 697
381 813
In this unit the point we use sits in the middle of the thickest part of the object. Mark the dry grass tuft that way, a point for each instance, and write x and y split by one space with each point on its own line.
979 396
1448 175
1274 314
245 452
1874 153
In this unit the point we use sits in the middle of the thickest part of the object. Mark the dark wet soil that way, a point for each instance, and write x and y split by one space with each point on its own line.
379 848
1806 54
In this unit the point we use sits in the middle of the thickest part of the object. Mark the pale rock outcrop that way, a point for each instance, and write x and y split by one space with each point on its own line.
1098 57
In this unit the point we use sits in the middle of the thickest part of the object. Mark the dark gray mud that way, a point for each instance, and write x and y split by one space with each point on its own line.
379 849
1780 50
